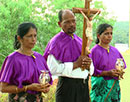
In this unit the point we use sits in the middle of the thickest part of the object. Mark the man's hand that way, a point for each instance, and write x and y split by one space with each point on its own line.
82 62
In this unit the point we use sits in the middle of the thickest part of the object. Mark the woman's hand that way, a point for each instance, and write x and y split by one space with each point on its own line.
121 74
46 88
39 87
114 73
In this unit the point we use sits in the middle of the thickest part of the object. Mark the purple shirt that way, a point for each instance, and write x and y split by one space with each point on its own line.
19 69
104 61
64 47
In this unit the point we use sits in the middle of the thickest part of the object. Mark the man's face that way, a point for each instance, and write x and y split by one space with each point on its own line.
68 23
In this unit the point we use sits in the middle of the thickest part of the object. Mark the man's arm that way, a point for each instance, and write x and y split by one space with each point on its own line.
58 68
65 69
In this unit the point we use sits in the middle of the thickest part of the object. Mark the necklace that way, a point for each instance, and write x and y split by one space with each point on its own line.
107 48
28 53
72 36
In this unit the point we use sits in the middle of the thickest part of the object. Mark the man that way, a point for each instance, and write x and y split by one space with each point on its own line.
63 58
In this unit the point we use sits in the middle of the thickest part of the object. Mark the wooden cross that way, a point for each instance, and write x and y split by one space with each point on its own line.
87 11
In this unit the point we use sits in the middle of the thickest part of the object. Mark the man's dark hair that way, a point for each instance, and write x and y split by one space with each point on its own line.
61 13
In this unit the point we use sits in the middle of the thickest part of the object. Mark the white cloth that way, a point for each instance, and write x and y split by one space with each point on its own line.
66 69
89 32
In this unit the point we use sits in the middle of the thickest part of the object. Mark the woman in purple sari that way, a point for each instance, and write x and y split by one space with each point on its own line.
19 75
105 80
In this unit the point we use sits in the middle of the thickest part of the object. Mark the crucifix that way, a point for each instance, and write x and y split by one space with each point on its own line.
86 11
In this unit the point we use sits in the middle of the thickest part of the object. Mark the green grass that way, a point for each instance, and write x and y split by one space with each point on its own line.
3 97
125 83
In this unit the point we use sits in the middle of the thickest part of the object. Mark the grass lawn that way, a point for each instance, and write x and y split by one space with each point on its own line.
125 83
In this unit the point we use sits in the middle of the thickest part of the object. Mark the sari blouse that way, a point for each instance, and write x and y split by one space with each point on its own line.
20 70
104 60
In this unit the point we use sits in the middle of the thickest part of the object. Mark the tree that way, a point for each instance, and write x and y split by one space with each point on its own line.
12 13
121 32
43 13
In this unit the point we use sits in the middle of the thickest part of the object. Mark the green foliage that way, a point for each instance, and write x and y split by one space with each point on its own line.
51 94
12 13
43 13
3 97
121 32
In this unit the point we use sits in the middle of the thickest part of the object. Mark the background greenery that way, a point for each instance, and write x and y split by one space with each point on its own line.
44 14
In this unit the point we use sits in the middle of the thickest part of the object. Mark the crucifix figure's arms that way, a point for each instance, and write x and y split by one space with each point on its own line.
84 15
95 14
88 22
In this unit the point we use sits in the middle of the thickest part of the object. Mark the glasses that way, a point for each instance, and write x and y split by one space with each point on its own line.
68 21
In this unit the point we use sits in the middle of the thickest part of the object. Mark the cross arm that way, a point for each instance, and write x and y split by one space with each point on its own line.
92 11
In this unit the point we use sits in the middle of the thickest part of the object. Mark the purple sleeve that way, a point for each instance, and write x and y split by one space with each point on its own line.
123 60
95 56
6 73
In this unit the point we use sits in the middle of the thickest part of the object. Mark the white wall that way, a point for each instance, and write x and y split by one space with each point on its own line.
122 47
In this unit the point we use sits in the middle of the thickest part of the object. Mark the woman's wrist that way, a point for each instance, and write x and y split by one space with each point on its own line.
28 87
103 73
16 89
25 88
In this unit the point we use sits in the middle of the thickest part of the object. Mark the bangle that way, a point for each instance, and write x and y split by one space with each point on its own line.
16 89
25 89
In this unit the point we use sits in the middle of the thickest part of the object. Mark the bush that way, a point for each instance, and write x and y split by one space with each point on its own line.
51 94
3 97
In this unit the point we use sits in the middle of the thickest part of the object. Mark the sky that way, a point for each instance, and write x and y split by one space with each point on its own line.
119 8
